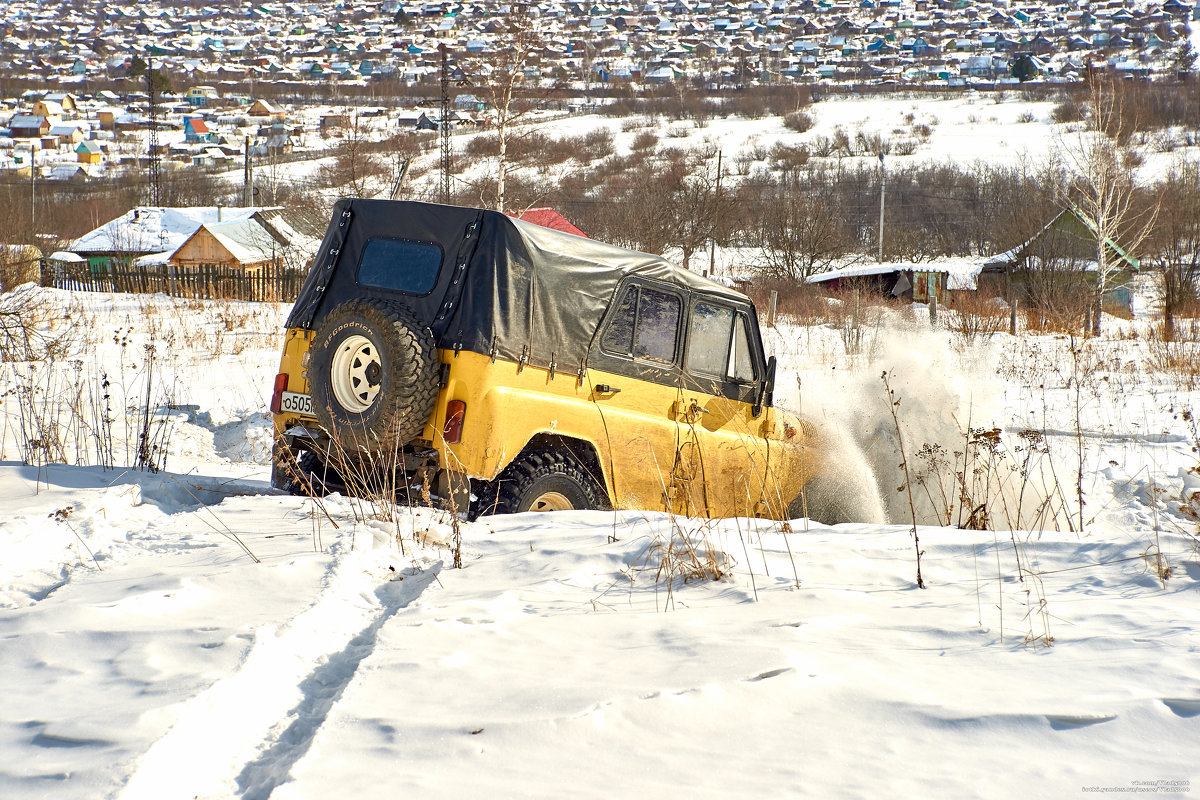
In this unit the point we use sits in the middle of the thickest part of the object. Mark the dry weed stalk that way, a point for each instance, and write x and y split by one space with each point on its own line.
1154 554
683 556
893 404
1036 607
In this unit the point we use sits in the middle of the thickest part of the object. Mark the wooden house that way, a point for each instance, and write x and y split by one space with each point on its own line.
248 244
903 281
202 95
30 126
334 121
147 230
88 152
196 130
262 108
66 133
67 103
47 108
70 173
1061 253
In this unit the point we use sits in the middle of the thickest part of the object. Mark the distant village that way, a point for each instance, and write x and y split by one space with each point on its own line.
238 74
214 54
899 40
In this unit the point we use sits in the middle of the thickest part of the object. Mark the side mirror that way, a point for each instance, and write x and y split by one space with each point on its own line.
766 389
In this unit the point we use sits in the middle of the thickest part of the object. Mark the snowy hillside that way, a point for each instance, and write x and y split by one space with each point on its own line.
188 633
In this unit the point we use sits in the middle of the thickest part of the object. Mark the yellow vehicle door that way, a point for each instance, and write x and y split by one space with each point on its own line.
633 368
722 375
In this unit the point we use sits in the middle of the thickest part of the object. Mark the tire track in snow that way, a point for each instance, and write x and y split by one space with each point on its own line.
274 704
322 689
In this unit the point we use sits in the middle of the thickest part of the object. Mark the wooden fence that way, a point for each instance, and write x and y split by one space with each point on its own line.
266 284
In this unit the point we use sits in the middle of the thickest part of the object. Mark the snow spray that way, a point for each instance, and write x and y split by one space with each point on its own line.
942 392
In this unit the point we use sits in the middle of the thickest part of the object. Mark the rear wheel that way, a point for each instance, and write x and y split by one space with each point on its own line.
307 475
546 481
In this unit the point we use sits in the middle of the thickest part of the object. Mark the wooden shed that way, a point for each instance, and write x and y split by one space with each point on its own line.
89 152
247 244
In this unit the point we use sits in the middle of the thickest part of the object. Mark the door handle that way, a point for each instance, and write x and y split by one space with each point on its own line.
604 388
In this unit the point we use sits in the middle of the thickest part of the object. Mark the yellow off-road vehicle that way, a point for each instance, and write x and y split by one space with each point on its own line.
506 367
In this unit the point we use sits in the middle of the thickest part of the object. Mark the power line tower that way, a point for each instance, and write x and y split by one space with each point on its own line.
444 125
155 163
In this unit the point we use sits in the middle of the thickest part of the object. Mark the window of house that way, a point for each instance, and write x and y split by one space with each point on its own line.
400 265
644 325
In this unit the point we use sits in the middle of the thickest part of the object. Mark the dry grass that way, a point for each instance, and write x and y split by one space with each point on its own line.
977 317
681 557
1176 353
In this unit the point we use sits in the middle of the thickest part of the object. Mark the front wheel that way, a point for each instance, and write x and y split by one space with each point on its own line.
546 481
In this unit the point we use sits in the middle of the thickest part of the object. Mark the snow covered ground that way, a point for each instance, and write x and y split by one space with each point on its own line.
187 633
970 128
995 129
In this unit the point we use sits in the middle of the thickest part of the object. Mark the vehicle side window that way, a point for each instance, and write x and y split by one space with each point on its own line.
400 265
618 337
708 348
645 325
741 363
719 343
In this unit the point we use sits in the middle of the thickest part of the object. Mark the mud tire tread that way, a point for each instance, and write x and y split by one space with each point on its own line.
530 475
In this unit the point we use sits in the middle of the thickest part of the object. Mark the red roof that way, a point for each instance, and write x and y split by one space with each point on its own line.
549 218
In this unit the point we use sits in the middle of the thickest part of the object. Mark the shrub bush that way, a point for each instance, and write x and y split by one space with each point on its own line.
799 121
646 140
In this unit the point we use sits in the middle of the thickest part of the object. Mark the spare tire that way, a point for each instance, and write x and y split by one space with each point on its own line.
372 374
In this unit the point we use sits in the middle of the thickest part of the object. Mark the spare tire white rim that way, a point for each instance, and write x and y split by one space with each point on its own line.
355 374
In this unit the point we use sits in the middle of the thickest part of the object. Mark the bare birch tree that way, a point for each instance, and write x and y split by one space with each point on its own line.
1102 184
512 98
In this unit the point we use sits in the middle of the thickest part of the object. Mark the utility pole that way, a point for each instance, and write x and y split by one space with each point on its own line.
247 179
32 192
444 125
712 240
155 166
882 195
587 74
400 178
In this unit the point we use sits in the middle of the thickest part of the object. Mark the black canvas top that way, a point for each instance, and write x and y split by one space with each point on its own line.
507 288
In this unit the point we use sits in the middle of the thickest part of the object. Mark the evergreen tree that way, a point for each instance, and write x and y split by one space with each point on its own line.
1023 67
1183 60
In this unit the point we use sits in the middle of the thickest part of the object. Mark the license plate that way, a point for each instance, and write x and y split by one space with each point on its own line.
296 403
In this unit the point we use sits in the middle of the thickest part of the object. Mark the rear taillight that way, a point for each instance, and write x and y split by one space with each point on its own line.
456 411
281 383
